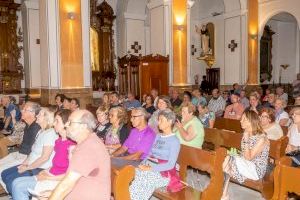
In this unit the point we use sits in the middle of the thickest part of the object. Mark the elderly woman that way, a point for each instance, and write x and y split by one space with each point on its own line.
267 121
206 117
103 122
48 178
162 158
281 117
190 130
163 103
41 153
253 160
118 132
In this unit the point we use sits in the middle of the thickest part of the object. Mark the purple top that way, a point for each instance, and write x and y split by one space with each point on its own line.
60 161
140 141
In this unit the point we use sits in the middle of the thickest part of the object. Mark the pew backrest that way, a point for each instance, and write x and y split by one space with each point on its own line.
228 124
203 160
278 147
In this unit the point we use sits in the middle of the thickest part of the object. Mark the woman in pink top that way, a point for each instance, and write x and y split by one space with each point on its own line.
48 179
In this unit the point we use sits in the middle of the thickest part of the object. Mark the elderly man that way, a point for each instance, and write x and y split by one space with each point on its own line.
154 93
114 99
217 103
29 113
131 102
175 100
11 113
139 142
88 175
281 94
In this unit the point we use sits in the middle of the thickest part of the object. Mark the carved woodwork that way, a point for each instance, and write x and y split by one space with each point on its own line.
11 70
141 74
102 17
266 55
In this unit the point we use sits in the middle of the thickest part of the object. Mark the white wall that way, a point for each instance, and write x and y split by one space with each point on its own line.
157 39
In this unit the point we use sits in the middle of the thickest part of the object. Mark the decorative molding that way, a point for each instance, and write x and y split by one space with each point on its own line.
135 16
157 3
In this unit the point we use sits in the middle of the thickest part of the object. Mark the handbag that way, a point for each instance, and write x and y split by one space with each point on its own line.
246 168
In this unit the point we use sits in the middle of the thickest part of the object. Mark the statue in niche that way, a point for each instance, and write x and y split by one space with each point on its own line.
94 48
205 40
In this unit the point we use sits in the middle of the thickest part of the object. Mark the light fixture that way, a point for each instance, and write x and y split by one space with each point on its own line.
71 15
253 36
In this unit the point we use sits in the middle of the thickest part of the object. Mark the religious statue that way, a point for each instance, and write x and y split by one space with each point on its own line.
205 40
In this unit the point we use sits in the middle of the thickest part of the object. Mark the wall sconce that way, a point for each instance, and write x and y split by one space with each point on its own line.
180 27
253 36
71 15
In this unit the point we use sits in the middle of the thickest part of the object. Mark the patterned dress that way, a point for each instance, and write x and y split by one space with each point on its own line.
260 161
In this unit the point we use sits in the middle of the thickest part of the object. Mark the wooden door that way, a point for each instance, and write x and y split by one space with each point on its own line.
213 77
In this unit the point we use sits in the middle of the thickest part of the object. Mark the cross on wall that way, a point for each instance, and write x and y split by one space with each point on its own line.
232 45
136 47
193 50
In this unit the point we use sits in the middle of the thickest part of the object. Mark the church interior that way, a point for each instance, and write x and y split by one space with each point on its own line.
234 65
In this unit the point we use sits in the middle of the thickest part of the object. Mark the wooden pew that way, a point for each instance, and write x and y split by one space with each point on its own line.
208 161
228 124
229 139
120 180
286 179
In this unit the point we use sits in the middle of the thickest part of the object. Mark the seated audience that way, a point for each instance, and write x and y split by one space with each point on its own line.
187 98
254 103
67 103
155 170
75 104
103 122
236 89
88 175
206 117
149 104
217 103
162 104
154 94
281 117
267 121
266 97
105 101
48 179
294 133
271 101
131 102
296 87
29 113
59 99
243 99
226 97
140 140
198 98
253 159
175 100
13 139
12 114
144 99
281 94
189 130
234 110
41 153
114 100
118 132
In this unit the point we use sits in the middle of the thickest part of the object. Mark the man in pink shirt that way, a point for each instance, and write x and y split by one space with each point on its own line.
88 175
236 109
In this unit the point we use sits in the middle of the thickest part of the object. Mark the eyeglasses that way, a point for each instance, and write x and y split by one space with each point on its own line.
27 110
135 116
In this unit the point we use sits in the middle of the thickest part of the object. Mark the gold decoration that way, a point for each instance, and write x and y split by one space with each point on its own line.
208 59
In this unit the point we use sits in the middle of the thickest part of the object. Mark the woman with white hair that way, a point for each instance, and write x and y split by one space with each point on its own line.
41 152
281 117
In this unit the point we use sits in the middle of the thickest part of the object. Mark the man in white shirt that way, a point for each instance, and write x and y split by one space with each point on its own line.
281 94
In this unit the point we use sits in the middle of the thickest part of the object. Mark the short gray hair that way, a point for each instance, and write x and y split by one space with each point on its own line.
143 111
35 107
88 119
169 115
